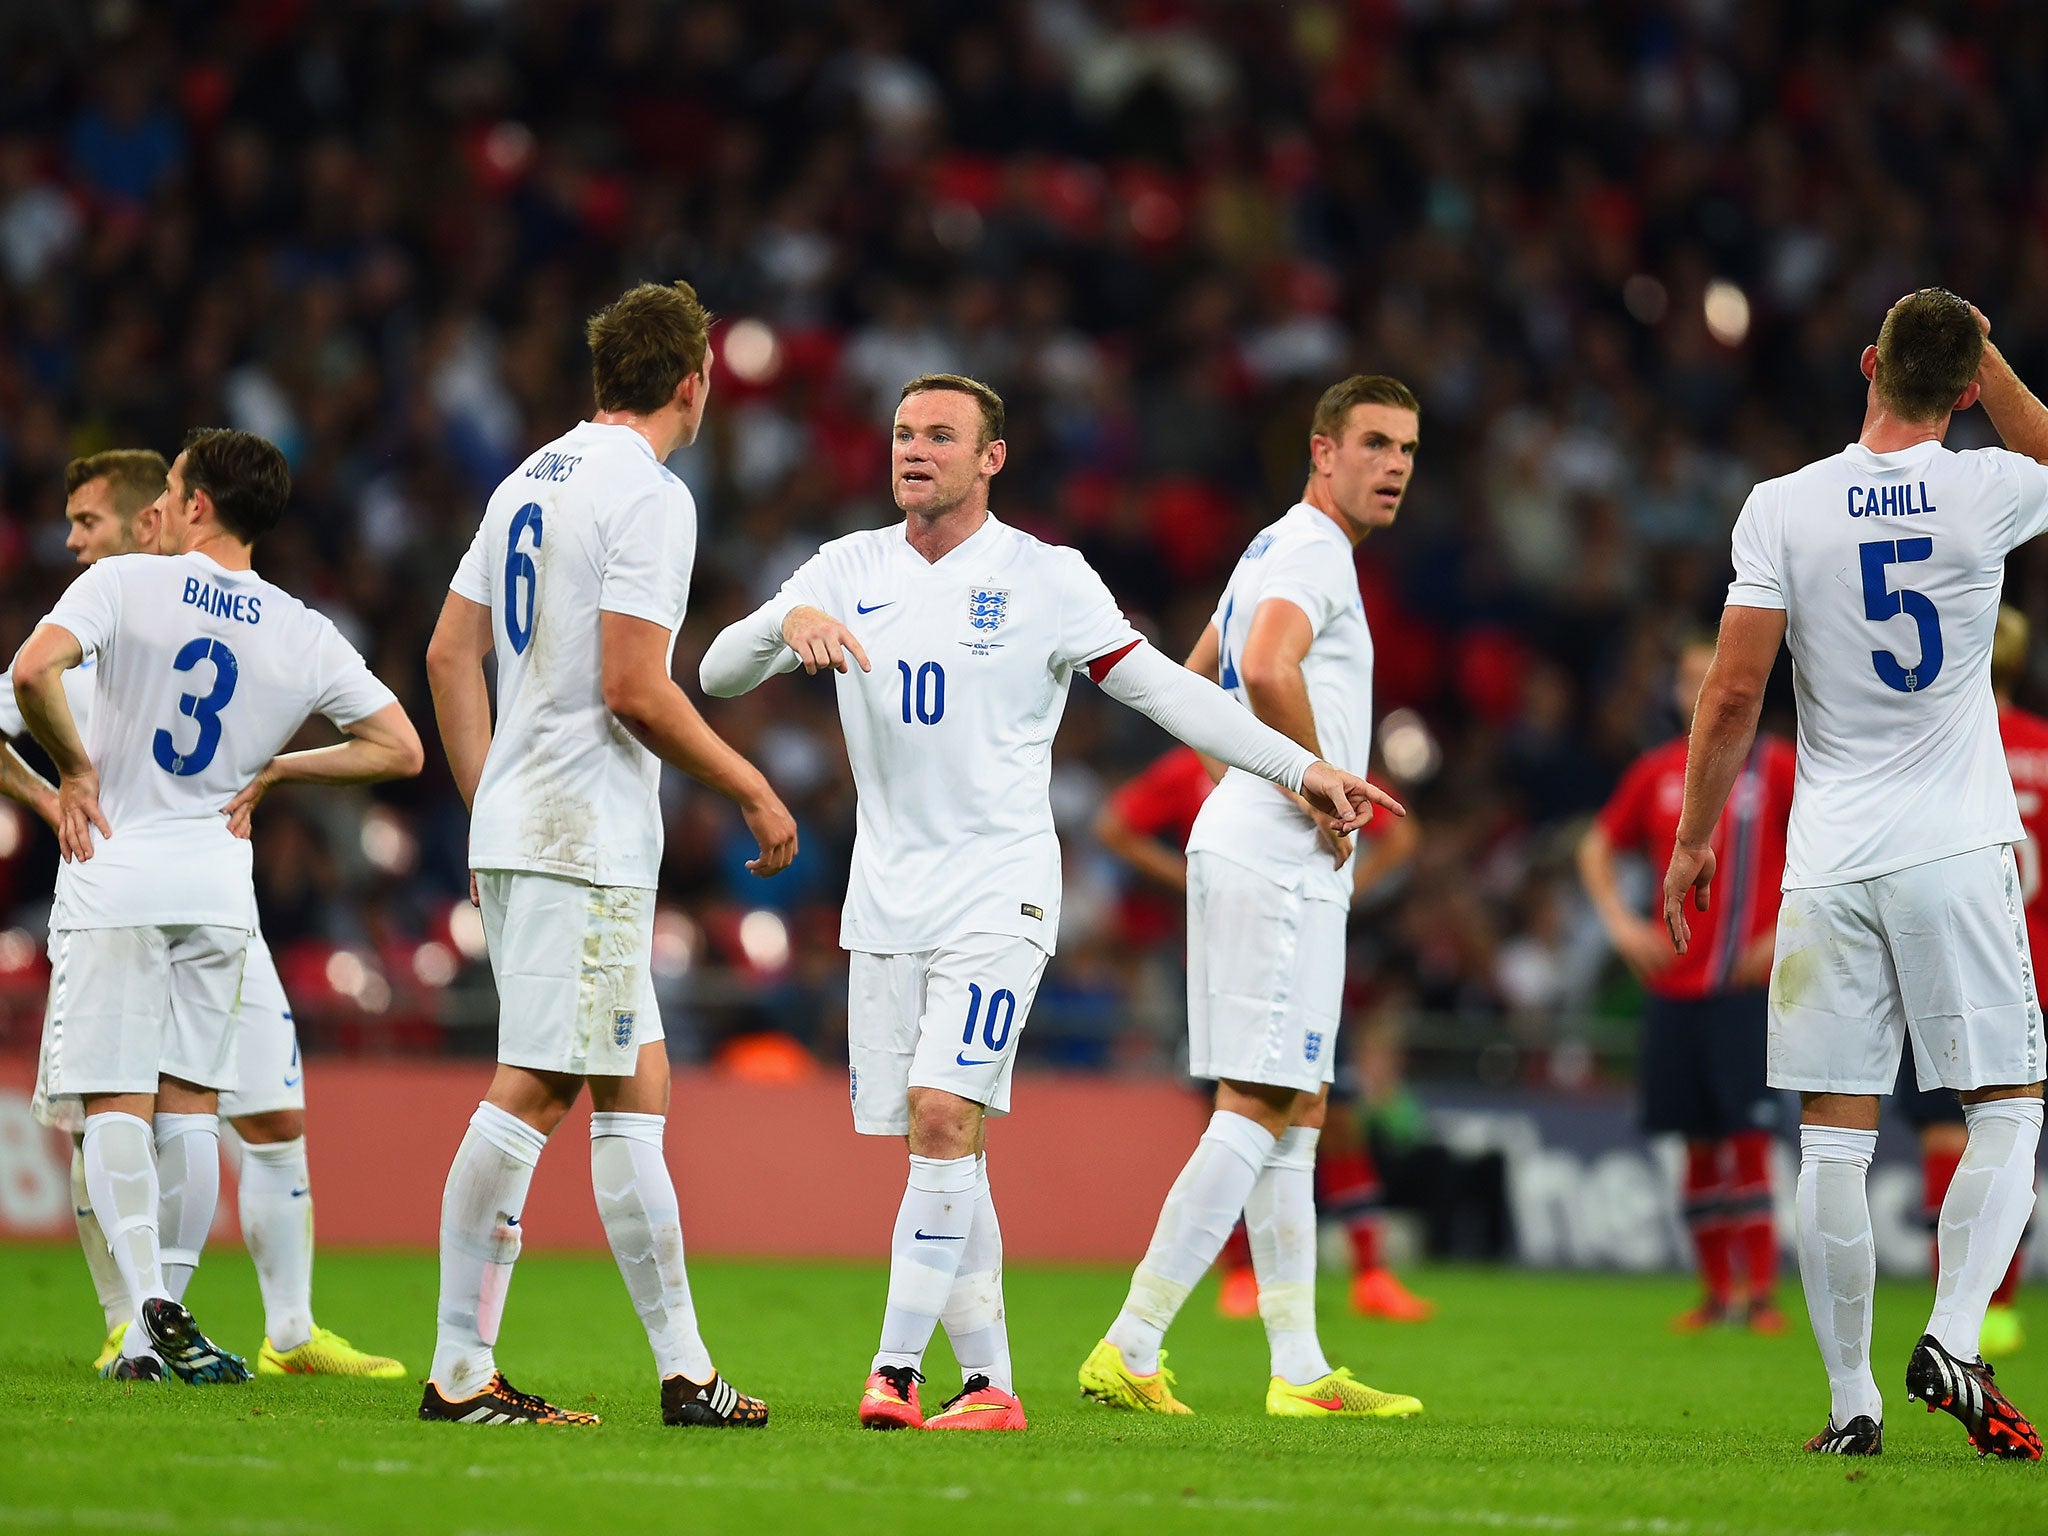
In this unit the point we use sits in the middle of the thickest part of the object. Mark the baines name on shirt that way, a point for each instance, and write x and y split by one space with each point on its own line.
553 466
1888 501
241 606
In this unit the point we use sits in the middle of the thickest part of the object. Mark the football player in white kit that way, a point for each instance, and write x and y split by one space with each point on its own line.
955 638
204 670
110 502
1882 565
577 582
1268 895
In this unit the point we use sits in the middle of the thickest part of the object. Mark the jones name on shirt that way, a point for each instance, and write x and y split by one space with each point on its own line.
1889 501
241 606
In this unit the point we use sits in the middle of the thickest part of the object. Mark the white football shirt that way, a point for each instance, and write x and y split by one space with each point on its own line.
79 686
1889 567
592 523
1305 559
950 736
203 675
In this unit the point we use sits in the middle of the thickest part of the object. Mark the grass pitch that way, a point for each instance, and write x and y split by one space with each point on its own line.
1555 1404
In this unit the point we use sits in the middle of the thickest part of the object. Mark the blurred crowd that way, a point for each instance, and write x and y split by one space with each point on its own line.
1626 254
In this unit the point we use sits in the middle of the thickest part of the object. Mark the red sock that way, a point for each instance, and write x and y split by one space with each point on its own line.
1351 1193
1237 1250
1936 1170
1756 1235
1706 1215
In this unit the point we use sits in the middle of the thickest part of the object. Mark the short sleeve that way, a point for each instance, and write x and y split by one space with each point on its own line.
1758 582
1621 818
650 544
1311 575
473 577
2030 513
349 690
91 606
1091 623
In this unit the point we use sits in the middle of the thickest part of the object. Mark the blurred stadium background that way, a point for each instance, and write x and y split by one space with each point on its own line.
1626 254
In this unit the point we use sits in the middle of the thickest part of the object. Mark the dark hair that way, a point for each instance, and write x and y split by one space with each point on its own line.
990 402
135 477
1927 354
246 476
644 344
1335 408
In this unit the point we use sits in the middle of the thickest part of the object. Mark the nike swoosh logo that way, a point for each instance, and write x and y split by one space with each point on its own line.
300 1193
291 1082
1334 1404
962 1061
860 607
940 1237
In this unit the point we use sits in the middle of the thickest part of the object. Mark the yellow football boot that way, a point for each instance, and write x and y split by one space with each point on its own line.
327 1353
1338 1395
103 1362
1106 1378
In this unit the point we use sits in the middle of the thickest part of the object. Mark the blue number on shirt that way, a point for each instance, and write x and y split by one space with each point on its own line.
1881 603
924 692
519 567
1228 676
205 708
1004 1002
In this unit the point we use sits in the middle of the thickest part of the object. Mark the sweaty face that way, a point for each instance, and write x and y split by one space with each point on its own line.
97 530
1691 677
936 454
1369 463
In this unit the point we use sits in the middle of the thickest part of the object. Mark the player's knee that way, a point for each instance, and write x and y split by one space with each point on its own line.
942 1124
1262 1103
277 1126
1985 1095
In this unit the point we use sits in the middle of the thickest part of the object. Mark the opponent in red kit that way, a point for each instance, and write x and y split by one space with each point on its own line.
1936 1113
1146 824
1702 1070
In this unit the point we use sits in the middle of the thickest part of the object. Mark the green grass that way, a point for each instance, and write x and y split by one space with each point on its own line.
1556 1404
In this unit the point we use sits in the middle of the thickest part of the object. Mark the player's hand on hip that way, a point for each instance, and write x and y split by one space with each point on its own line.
1646 947
775 830
78 812
1691 872
1345 797
821 641
241 811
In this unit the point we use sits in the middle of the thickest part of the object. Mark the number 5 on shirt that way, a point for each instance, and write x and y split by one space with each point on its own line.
1881 603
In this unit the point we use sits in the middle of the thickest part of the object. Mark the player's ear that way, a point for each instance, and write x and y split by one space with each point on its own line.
994 456
1870 363
1320 448
1969 396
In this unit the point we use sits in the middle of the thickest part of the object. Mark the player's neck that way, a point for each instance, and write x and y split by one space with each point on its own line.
221 547
937 537
1316 494
663 431
1885 433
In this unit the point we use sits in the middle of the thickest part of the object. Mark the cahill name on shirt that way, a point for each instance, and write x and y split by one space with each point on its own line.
1889 501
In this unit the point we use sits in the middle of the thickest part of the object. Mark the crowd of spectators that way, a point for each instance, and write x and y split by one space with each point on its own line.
1626 254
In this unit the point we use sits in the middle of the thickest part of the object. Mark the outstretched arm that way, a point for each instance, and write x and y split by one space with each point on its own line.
639 690
1199 713
1723 728
777 638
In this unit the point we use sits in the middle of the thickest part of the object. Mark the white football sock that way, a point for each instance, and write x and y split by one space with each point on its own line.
1280 1219
1983 1216
188 1174
1195 1222
107 1283
973 1313
932 1225
1838 1263
120 1170
480 1208
637 1200
275 1202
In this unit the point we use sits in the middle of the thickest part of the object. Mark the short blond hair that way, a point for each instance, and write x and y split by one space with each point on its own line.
644 344
134 476
1341 398
2009 644
990 402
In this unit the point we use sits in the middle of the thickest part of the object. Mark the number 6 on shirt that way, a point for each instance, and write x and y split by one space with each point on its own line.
518 567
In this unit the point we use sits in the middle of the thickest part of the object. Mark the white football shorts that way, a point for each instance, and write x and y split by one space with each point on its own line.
268 1075
948 1018
574 968
1265 978
1937 951
128 1006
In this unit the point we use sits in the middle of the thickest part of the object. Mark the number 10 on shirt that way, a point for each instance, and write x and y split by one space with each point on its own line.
924 691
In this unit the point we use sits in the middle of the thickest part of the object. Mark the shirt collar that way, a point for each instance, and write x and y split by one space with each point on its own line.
1897 459
975 541
613 431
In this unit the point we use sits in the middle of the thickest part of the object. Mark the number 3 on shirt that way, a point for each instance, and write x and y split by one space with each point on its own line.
518 568
1881 603
205 708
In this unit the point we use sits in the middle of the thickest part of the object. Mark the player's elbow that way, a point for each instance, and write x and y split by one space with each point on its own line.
409 754
717 679
626 695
